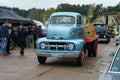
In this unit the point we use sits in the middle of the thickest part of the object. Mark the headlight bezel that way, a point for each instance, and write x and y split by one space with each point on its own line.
71 46
43 45
73 33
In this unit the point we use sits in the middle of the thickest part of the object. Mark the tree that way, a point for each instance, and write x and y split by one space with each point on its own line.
97 11
46 14
35 14
93 12
86 10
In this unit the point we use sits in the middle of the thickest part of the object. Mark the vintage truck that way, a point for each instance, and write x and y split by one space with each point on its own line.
102 31
65 39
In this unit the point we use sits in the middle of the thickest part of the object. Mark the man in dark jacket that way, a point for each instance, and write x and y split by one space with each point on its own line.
22 34
37 33
4 36
9 26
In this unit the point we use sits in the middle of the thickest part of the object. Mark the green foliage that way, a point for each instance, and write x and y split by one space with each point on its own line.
35 14
72 8
86 10
96 12
46 14
93 12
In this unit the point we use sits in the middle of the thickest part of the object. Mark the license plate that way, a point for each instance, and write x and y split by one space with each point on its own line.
55 55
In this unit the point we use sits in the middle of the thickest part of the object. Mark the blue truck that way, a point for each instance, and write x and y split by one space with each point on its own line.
65 39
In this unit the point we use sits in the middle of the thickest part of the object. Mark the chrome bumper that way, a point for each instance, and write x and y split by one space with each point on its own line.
102 39
59 55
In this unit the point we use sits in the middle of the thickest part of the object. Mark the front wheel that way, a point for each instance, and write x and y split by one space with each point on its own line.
41 59
89 49
80 59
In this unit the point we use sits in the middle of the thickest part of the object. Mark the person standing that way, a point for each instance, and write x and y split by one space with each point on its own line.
22 34
4 37
34 33
37 33
29 38
10 30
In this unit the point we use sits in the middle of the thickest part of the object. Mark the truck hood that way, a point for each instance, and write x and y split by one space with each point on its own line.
60 32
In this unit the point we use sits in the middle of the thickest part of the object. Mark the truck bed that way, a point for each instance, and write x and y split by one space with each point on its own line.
91 39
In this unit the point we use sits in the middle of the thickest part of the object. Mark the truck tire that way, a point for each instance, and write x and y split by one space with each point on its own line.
41 59
108 39
89 49
117 44
80 59
95 48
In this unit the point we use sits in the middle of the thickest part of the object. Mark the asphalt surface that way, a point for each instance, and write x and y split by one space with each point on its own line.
17 67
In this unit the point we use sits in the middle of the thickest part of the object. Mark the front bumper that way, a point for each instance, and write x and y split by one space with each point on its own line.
59 48
102 39
58 55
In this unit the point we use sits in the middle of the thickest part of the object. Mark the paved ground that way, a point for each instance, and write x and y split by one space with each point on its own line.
16 67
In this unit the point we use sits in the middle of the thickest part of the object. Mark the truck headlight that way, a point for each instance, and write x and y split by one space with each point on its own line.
71 46
73 33
104 36
42 45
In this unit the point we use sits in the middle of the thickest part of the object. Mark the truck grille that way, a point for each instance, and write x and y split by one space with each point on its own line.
57 46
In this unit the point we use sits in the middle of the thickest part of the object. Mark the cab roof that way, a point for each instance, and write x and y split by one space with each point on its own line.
66 13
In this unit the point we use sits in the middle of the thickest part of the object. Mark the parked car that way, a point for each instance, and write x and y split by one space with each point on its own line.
112 70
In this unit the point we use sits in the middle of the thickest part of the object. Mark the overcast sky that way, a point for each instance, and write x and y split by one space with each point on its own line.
28 4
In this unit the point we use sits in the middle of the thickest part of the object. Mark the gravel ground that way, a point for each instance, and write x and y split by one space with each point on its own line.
16 67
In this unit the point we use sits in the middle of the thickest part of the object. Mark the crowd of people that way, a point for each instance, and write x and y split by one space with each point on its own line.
7 33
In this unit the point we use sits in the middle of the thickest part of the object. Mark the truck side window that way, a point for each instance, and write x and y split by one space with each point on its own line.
79 20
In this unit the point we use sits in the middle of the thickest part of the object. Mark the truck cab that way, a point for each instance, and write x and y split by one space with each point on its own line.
64 38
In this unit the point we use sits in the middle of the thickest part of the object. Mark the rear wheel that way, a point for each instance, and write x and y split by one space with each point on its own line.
117 44
95 48
89 49
108 39
80 59
41 59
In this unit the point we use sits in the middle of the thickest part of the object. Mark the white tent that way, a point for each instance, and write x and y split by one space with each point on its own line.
38 23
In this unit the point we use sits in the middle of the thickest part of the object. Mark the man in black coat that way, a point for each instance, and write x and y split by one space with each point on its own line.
22 34
37 33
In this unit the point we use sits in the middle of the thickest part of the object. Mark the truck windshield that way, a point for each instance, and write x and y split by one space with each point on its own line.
62 20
